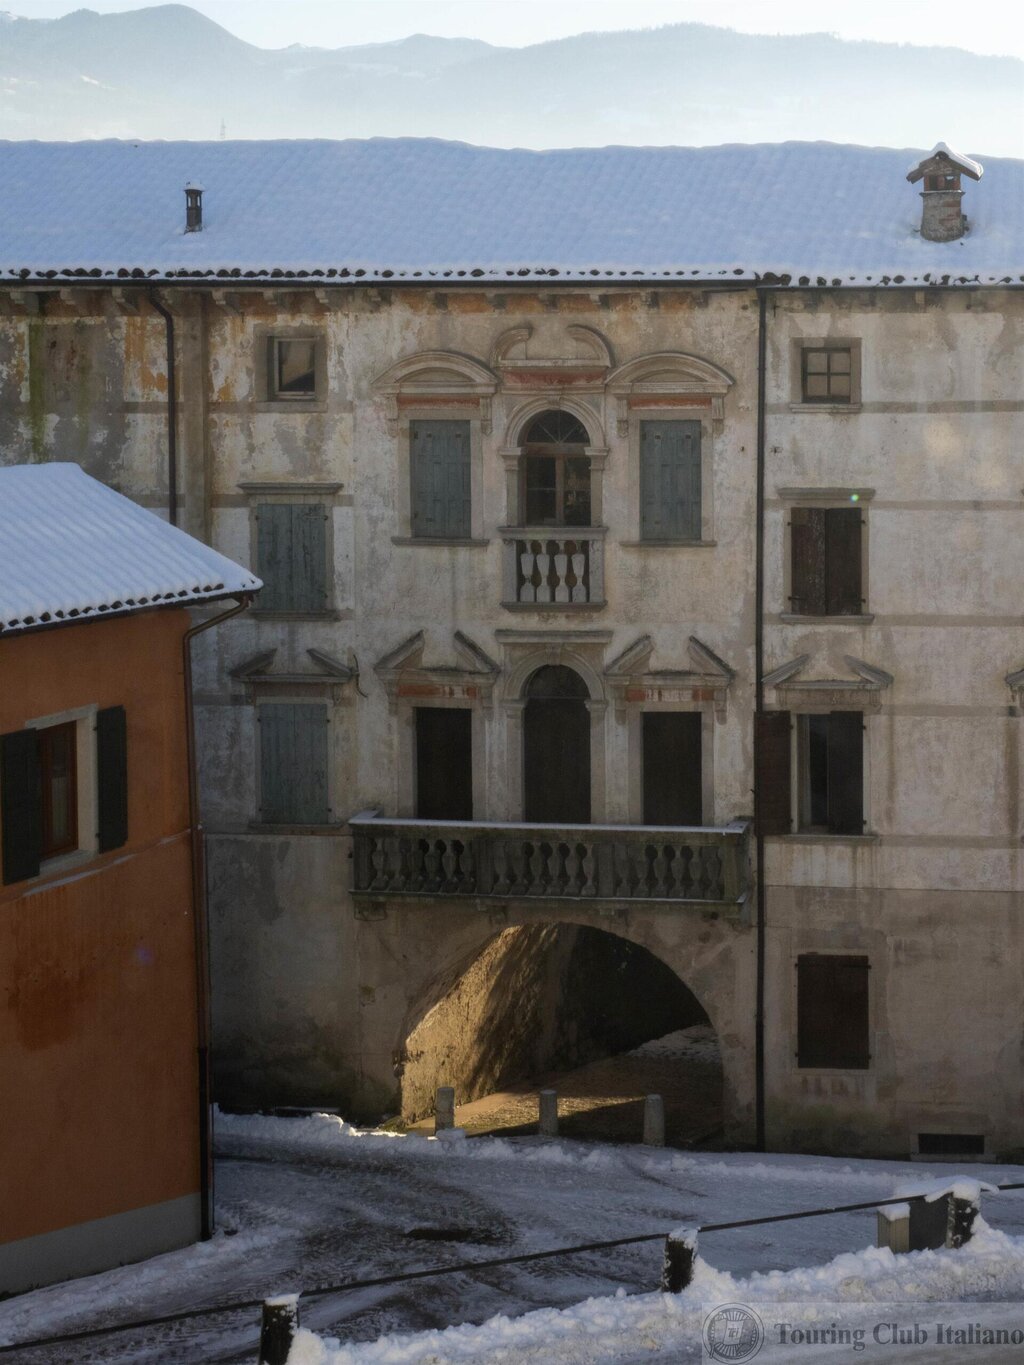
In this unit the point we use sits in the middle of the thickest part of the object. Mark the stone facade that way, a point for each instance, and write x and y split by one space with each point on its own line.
317 990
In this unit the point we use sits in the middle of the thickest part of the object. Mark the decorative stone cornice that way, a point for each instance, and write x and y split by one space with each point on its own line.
405 677
632 682
854 693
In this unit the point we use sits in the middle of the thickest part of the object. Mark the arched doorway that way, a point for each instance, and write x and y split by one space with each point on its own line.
554 472
556 748
594 1013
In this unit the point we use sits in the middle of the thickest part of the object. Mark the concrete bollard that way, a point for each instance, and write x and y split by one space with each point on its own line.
680 1254
444 1108
548 1113
654 1121
278 1328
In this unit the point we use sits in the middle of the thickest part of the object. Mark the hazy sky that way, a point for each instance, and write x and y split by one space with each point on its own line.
986 26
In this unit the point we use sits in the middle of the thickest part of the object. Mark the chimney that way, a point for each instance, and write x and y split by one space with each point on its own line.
193 207
941 217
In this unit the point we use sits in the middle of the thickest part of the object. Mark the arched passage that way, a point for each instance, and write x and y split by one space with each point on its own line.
549 999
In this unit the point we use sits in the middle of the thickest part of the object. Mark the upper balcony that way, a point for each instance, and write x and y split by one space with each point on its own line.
592 864
553 567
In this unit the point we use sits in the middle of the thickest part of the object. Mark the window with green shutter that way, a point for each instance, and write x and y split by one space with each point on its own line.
293 763
670 480
291 556
439 462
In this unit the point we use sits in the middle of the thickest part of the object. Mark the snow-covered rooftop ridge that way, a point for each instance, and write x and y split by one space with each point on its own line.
973 168
72 549
425 210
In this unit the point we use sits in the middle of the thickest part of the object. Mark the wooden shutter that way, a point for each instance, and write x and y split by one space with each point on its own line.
291 556
20 805
112 777
832 1011
293 763
843 531
772 732
672 768
846 772
670 481
808 539
444 763
439 454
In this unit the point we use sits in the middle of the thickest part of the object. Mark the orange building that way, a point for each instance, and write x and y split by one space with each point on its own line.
104 1151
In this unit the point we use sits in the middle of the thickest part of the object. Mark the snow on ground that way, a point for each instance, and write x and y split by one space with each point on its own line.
316 1202
697 1043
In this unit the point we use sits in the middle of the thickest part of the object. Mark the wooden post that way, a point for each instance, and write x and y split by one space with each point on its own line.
654 1121
277 1331
680 1254
444 1108
548 1113
894 1227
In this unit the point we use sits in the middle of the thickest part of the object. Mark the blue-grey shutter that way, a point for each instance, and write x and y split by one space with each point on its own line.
440 479
293 763
670 487
112 777
291 556
20 805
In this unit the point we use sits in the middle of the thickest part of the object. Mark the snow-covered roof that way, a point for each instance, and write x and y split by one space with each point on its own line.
72 549
943 153
426 210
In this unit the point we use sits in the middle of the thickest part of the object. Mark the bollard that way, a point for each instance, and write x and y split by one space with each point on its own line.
680 1254
278 1328
960 1220
654 1121
894 1227
444 1108
548 1116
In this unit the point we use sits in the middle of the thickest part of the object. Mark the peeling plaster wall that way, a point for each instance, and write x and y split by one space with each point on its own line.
313 1002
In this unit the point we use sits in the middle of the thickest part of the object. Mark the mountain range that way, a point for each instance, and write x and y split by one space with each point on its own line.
170 72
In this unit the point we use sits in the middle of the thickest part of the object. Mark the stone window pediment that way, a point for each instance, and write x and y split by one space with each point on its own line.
407 679
633 682
431 379
859 693
669 379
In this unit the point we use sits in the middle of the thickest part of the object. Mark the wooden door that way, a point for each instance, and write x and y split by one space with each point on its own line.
672 768
556 749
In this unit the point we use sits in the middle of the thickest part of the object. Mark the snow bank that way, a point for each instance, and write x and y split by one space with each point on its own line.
607 1330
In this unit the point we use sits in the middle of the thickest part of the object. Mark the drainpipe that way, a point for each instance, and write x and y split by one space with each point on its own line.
762 351
172 412
200 921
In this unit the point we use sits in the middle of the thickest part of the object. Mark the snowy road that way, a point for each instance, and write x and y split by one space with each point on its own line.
304 1203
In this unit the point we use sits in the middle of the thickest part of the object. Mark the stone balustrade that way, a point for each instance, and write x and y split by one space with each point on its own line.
483 861
559 567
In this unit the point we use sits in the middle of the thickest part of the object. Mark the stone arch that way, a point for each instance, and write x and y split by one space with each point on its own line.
524 669
440 977
523 415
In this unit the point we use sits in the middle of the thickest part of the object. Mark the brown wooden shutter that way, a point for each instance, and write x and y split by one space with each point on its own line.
846 772
809 577
112 777
832 1011
20 805
843 526
772 731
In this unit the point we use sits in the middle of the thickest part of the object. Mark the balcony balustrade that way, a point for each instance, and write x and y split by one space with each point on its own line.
553 567
580 863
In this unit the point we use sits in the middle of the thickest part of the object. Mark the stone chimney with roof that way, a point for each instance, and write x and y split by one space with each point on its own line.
942 219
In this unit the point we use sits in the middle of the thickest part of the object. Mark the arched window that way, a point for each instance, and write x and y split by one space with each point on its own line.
554 480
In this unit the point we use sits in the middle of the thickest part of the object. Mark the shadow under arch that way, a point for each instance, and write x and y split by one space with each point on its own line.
555 996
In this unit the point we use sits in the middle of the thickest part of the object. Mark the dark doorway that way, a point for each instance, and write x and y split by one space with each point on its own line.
444 763
556 748
672 768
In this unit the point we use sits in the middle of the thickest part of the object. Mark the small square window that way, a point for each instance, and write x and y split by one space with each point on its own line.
292 367
826 374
